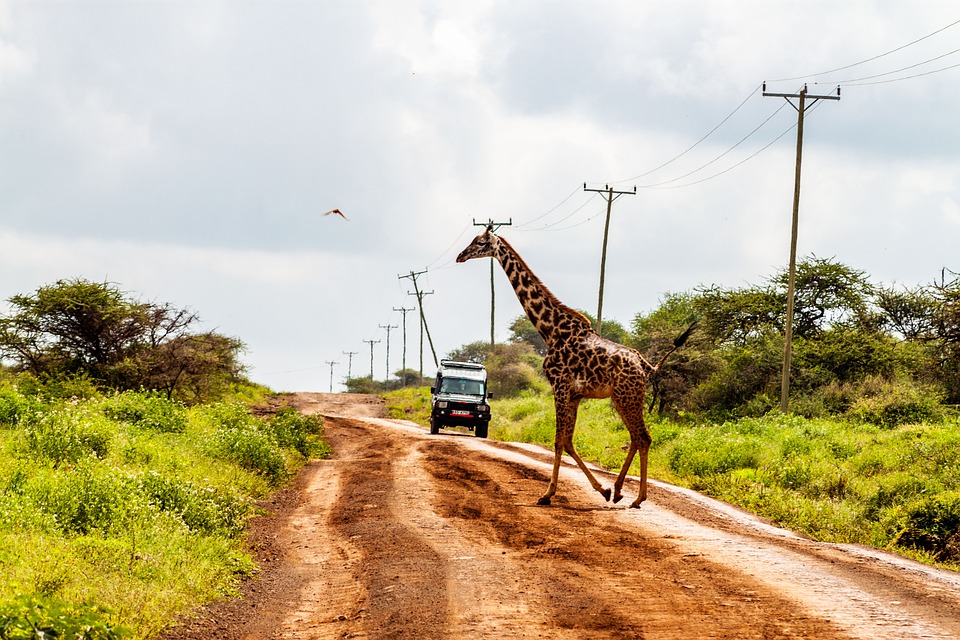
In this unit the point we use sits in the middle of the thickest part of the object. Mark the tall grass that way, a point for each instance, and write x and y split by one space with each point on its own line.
131 505
835 480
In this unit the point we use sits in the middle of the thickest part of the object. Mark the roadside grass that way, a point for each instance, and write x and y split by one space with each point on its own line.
131 505
409 403
834 480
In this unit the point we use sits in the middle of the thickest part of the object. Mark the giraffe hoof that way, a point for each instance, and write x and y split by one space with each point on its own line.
544 501
606 494
617 498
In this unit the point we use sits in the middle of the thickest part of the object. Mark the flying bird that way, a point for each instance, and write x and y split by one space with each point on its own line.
336 211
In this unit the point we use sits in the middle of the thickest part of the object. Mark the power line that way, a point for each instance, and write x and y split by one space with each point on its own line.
916 75
704 166
548 212
871 59
695 144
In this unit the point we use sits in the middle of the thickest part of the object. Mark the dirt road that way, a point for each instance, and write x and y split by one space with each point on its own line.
405 535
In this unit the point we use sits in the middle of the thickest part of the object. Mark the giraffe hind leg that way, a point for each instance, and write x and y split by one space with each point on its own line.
618 485
630 407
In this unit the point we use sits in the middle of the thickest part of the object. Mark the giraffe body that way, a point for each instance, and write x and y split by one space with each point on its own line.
579 364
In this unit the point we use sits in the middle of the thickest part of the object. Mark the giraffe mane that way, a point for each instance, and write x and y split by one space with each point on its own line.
546 291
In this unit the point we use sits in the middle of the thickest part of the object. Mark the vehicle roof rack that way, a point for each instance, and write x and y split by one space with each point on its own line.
462 365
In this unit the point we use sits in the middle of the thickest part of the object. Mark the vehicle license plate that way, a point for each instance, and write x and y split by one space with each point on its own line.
460 413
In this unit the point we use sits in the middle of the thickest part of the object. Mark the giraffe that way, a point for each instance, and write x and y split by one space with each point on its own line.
579 364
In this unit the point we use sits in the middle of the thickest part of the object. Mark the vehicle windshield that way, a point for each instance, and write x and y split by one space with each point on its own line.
462 387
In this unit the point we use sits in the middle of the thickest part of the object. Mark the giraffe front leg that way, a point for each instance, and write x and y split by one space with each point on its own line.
554 477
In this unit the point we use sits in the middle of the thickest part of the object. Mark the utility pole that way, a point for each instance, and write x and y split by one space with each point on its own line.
423 319
612 194
801 108
493 226
423 323
331 373
388 327
371 343
350 355
404 310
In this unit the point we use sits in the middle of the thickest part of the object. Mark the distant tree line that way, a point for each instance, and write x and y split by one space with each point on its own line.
80 328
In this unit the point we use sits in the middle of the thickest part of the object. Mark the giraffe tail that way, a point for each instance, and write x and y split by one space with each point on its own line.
677 343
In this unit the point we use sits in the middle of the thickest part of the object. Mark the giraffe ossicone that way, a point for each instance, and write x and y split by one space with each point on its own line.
579 364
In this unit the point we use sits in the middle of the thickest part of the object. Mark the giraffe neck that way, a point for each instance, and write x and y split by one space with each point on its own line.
551 318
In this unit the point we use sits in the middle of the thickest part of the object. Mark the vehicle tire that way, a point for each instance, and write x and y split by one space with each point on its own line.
434 426
481 430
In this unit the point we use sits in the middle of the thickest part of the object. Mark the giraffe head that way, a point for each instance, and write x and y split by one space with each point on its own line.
483 246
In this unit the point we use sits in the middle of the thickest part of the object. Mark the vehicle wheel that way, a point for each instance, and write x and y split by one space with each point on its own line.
434 426
481 430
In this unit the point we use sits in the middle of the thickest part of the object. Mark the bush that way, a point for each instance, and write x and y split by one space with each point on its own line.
36 617
67 436
148 410
84 499
889 404
252 449
200 509
932 525
15 408
298 432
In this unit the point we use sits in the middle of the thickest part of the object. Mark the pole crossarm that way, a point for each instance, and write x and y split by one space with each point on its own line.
812 99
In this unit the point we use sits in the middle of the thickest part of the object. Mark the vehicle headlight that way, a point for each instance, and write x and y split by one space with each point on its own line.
442 404
484 407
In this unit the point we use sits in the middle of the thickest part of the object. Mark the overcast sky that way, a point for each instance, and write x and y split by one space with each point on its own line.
185 151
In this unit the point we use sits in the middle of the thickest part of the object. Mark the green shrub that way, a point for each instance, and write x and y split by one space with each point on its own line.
200 509
64 436
409 403
932 524
890 404
37 617
894 489
15 408
253 450
298 432
83 499
147 410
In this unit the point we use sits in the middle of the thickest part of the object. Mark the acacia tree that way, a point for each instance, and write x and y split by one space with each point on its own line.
81 327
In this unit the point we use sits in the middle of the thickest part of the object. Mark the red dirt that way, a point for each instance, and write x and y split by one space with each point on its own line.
401 534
